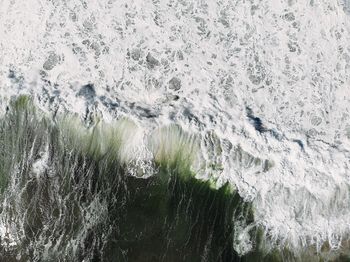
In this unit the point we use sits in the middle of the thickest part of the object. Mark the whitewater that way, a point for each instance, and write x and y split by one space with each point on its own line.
253 94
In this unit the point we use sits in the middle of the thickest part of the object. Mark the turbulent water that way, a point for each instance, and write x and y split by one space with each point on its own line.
171 130
68 195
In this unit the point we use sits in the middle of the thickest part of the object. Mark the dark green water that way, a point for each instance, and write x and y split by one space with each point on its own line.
83 205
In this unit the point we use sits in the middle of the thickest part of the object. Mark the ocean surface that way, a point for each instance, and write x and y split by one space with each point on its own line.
173 130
